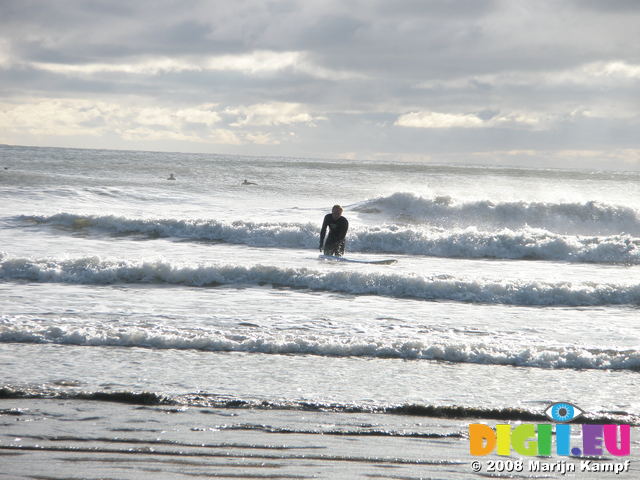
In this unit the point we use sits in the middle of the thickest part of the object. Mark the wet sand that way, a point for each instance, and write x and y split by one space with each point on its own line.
75 439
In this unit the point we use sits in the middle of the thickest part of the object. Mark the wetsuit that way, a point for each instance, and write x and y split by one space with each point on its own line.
337 232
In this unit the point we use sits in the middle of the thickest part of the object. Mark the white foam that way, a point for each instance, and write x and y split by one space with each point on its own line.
585 218
288 235
470 242
93 270
480 353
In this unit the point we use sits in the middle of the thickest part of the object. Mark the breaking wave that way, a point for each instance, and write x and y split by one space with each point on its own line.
525 243
93 270
486 353
570 218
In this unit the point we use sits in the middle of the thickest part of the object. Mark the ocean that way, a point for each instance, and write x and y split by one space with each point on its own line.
514 288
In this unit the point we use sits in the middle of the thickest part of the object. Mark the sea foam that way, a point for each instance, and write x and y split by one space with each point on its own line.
93 270
585 218
488 353
470 242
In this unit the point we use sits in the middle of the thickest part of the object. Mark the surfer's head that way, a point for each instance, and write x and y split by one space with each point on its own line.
336 212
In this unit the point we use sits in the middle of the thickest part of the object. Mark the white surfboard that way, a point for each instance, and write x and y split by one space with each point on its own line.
389 261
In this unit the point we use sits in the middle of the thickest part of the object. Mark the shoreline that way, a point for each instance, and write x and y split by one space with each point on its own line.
57 438
117 440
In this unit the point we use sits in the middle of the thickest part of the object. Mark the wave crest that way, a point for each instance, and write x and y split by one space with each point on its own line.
537 356
93 270
525 243
571 218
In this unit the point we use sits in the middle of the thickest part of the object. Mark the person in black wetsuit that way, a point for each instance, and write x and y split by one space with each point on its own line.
338 226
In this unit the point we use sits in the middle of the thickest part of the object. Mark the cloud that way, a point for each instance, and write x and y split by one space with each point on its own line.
261 139
426 119
610 6
418 78
134 122
595 74
253 63
201 114
175 118
216 136
53 117
438 120
72 117
617 70
270 114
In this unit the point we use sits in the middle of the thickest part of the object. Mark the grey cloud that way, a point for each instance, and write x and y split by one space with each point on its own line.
434 8
608 6
392 49
436 38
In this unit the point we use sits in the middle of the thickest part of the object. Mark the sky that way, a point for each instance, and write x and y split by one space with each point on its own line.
552 83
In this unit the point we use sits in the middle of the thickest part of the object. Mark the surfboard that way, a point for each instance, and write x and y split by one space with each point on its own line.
389 261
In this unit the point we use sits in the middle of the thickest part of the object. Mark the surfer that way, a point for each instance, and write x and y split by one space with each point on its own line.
248 183
171 177
338 226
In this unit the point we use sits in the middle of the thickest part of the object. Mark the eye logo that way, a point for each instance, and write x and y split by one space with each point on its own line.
563 412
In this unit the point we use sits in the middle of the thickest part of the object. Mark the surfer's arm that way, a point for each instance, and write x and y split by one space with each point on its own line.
323 231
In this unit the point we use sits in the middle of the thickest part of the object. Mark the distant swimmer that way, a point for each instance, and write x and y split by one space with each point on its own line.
248 183
171 177
338 226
